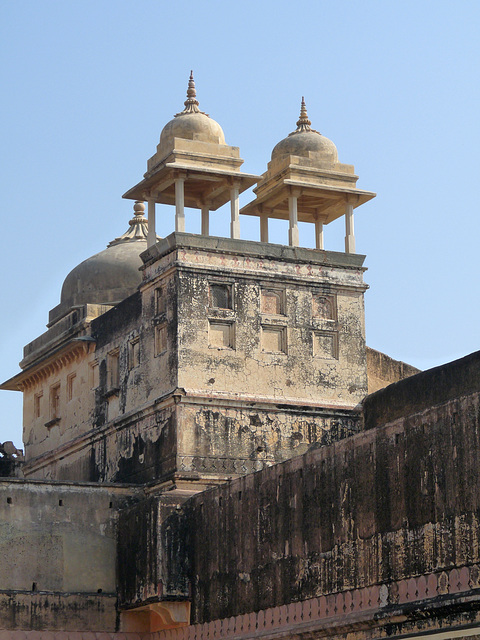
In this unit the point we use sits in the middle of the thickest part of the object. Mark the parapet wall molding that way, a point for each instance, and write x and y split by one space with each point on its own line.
178 241
270 403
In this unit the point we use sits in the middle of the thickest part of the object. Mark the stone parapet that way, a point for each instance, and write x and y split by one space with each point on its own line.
383 370
423 391
262 250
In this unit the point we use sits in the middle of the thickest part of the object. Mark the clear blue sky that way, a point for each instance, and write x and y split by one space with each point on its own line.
88 86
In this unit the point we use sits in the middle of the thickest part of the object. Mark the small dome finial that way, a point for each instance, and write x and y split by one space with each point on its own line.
303 123
138 228
191 92
139 209
191 103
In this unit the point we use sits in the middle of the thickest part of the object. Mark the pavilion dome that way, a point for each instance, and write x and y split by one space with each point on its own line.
306 142
113 274
191 124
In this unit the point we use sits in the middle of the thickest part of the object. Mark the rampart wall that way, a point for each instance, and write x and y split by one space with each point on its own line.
400 500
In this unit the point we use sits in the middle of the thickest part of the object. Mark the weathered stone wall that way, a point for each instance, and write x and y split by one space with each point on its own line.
67 612
142 561
383 370
58 554
238 437
272 344
41 432
63 359
288 330
401 499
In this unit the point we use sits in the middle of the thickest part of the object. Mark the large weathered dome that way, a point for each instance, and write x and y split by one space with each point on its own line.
191 124
111 275
305 141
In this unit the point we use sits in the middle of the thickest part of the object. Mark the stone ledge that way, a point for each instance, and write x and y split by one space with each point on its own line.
252 248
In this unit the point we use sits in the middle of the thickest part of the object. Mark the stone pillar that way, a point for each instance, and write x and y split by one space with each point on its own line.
205 221
235 209
318 234
264 227
293 239
179 204
151 234
349 233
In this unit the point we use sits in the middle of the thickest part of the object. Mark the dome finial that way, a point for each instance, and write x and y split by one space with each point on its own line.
138 228
303 123
191 103
191 92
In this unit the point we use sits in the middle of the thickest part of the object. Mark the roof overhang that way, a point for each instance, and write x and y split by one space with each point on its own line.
203 187
323 203
73 350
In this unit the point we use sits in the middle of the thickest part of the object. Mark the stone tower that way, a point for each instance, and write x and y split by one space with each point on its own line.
190 359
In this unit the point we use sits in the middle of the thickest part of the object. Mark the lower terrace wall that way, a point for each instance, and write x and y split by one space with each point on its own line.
58 554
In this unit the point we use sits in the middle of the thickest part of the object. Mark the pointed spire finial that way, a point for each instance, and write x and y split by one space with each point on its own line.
191 103
191 92
303 123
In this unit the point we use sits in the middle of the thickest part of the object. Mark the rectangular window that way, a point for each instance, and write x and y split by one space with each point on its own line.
324 307
160 339
160 302
93 375
70 386
55 402
273 301
221 296
113 372
274 339
133 353
221 335
325 345
37 404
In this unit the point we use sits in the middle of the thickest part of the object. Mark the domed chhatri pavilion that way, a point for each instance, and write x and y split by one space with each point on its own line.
193 167
212 452
305 182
